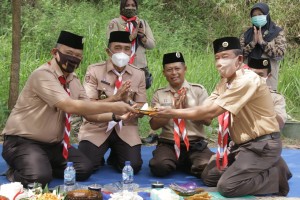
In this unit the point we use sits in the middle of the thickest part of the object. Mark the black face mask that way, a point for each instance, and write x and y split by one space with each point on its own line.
129 12
69 62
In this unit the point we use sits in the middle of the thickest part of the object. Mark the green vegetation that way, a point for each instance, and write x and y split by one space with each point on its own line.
188 26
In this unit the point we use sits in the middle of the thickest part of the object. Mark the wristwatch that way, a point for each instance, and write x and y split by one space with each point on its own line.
114 118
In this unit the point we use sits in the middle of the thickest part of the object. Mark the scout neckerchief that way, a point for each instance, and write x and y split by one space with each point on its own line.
180 131
118 84
66 141
131 28
223 136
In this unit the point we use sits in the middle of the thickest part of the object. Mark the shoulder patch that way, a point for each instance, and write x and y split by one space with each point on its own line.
87 78
111 26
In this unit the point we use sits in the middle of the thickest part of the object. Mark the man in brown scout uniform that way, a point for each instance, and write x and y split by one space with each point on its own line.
181 143
111 81
36 136
141 35
262 67
244 105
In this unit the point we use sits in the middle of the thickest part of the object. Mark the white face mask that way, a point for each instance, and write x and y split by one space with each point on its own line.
120 59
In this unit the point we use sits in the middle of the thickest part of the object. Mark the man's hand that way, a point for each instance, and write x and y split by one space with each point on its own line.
122 93
120 108
162 112
131 115
179 100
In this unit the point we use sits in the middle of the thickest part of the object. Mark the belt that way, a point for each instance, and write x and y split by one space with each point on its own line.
171 142
271 136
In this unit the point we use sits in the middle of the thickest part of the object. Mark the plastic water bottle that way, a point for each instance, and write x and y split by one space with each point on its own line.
127 175
69 177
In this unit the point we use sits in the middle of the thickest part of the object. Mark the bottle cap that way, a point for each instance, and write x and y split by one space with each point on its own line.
69 164
95 187
127 162
157 184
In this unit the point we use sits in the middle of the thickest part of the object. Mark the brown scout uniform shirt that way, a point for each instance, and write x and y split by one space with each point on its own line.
279 105
118 24
100 79
35 116
249 101
195 96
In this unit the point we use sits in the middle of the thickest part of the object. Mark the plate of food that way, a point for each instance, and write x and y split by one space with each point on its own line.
147 110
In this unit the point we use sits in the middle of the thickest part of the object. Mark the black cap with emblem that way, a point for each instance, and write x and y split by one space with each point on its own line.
226 43
71 40
119 36
259 63
172 58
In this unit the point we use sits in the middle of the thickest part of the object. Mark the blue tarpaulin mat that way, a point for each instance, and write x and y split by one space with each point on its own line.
107 174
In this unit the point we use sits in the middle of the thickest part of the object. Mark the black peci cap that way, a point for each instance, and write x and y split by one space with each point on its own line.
226 43
172 58
119 36
259 63
71 40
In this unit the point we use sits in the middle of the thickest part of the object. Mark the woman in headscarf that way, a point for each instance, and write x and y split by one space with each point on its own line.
140 34
264 39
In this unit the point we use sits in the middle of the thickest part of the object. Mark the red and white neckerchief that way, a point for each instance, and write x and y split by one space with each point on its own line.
180 132
223 136
130 28
66 141
246 66
118 84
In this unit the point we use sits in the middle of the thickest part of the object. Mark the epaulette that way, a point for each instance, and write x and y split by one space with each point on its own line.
196 84
274 91
162 88
135 67
103 63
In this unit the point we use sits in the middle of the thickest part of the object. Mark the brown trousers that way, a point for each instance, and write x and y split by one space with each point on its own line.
164 160
120 152
255 168
34 161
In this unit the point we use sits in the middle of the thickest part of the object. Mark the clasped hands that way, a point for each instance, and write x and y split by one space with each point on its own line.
257 36
125 94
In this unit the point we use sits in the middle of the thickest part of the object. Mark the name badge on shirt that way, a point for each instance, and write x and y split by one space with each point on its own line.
105 82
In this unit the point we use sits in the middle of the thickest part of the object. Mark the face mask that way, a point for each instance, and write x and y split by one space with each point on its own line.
67 63
120 59
259 21
226 67
128 12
